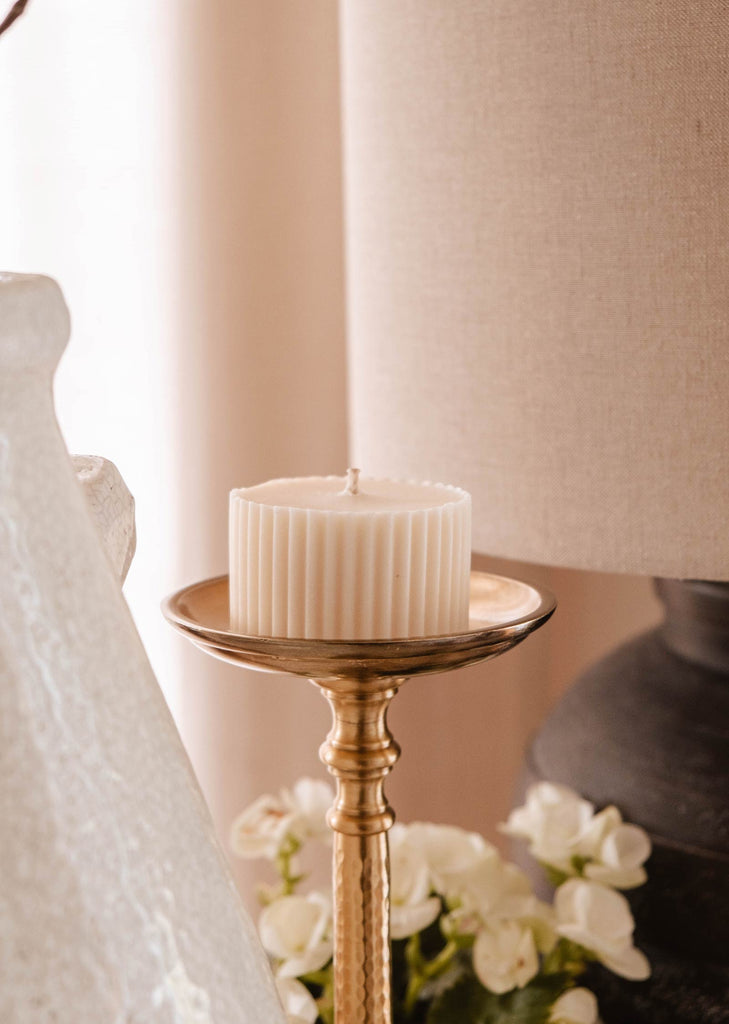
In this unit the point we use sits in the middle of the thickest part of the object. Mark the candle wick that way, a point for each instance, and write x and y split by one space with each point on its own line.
352 482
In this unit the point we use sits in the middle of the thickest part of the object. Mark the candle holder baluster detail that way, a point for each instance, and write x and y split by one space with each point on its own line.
360 752
359 678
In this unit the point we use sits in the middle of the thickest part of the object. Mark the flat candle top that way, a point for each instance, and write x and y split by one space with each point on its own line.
329 494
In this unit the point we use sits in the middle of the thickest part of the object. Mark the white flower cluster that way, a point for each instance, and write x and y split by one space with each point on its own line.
597 853
264 828
565 834
485 897
482 903
296 931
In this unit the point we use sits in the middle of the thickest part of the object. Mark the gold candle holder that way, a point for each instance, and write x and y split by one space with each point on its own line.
359 679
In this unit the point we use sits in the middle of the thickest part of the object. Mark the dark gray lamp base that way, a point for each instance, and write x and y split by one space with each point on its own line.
648 730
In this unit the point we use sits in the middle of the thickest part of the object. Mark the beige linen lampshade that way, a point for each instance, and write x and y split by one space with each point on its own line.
537 209
538 270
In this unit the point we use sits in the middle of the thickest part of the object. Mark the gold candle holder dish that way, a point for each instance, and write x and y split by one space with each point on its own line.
359 679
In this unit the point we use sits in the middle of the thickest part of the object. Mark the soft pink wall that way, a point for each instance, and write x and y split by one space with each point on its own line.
260 369
464 735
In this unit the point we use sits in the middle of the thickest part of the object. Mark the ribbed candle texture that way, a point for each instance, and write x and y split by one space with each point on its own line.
336 558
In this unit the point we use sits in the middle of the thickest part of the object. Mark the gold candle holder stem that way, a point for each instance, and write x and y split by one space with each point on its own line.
360 752
359 679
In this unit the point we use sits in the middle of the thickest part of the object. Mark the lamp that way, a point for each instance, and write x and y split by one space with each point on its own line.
537 247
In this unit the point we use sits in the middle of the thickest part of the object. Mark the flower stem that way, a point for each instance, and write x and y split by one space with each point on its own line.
440 963
422 971
414 958
283 862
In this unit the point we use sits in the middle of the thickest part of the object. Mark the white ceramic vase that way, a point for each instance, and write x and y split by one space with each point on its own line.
115 903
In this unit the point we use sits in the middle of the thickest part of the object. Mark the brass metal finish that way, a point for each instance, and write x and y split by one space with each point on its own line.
359 679
360 752
502 613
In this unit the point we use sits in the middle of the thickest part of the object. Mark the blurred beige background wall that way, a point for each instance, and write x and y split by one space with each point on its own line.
176 165
261 373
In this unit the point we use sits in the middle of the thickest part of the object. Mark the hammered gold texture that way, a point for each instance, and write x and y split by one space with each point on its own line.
359 679
360 752
361 930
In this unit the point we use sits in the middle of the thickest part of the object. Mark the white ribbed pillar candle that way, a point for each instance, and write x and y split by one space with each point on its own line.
336 558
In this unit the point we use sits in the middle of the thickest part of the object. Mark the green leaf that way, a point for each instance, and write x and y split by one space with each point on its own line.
320 978
532 1005
466 1002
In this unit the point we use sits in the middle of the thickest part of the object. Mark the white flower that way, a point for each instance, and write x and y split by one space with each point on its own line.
561 826
480 885
412 908
576 1006
309 801
494 890
297 931
599 919
617 851
505 956
595 832
519 903
553 819
261 829
450 853
298 1003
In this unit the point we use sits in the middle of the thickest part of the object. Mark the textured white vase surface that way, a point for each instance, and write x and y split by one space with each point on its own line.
112 508
115 903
